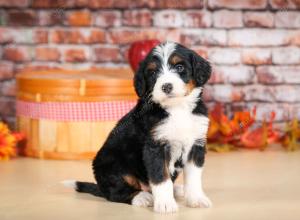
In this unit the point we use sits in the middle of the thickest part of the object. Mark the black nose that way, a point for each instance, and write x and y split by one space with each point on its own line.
167 88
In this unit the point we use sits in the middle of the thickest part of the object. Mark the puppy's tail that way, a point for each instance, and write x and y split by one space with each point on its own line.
83 187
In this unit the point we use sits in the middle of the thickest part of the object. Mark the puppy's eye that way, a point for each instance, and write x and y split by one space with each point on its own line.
152 72
179 68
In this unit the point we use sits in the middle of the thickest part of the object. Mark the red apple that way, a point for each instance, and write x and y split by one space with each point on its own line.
139 50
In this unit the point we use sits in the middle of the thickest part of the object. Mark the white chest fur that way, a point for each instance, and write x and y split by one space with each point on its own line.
181 129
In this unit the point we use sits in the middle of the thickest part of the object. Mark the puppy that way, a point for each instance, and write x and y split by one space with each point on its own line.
164 134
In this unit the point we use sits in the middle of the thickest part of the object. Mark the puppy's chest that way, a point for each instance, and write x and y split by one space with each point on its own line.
181 129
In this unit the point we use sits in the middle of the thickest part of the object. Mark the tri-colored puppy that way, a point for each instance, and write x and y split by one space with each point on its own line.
162 135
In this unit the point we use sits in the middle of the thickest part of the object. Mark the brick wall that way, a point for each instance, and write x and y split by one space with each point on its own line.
252 44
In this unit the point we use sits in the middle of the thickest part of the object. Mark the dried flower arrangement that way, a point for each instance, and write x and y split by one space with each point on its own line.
226 134
8 142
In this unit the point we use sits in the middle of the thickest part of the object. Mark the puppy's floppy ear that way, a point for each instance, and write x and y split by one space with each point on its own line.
139 80
201 69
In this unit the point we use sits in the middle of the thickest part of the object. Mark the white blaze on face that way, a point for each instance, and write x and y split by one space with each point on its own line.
167 75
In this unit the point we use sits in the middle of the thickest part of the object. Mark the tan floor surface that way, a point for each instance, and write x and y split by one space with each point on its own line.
242 185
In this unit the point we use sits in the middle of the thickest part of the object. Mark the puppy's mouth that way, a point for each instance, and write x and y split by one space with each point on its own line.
173 96
170 96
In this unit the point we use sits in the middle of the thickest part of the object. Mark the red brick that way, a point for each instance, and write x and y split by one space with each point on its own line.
224 56
259 19
237 4
293 38
258 93
141 17
202 51
40 36
107 19
211 37
155 4
285 4
256 56
6 70
126 35
6 35
125 4
286 55
101 3
47 54
232 74
227 93
97 36
51 17
287 19
208 93
196 18
77 36
67 36
17 54
190 4
14 3
79 18
22 18
278 74
8 88
258 37
78 66
21 35
7 106
77 55
107 54
168 18
80 3
292 91
227 19
125 53
36 66
59 4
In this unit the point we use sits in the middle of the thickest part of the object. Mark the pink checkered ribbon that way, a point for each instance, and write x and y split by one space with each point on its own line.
75 111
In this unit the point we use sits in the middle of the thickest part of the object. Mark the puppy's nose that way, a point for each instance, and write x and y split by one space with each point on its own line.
167 88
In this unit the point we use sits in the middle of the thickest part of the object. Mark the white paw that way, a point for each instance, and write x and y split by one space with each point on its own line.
200 201
143 199
178 191
165 206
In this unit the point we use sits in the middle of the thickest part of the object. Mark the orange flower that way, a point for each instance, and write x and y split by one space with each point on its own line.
7 143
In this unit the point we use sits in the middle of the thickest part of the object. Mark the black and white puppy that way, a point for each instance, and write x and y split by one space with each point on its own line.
162 135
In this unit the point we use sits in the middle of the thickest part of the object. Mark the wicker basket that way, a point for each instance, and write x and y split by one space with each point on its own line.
68 114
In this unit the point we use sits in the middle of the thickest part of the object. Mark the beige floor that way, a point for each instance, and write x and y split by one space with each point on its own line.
242 185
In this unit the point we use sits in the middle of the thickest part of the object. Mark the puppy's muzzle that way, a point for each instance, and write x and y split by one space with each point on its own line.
167 88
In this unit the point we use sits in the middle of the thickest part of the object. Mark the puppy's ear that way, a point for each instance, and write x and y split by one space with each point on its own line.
139 81
201 69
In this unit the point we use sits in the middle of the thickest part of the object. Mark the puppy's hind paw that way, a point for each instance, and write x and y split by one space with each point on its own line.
201 201
143 199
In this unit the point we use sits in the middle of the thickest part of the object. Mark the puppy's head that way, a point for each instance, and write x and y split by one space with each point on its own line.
170 71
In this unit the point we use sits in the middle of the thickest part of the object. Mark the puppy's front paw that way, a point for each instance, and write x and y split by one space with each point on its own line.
199 201
142 199
165 206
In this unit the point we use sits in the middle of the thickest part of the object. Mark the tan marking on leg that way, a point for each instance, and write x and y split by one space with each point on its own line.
132 181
